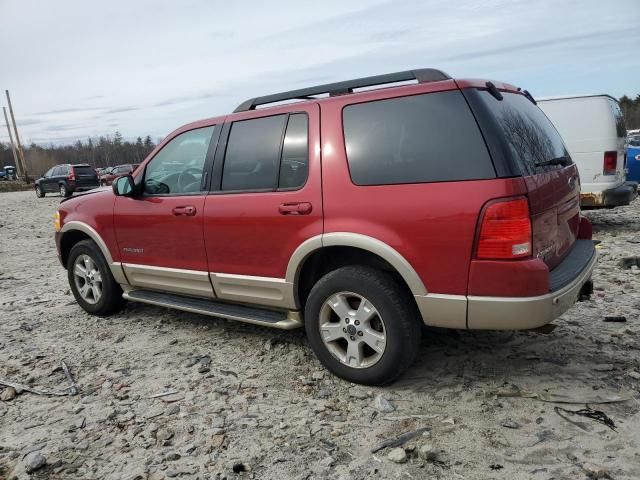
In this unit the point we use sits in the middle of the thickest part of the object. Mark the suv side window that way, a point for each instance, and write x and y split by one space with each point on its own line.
49 172
416 139
178 168
294 166
253 154
58 171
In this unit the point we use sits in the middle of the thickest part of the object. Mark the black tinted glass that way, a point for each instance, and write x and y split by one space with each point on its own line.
84 170
295 153
253 154
530 136
422 138
58 171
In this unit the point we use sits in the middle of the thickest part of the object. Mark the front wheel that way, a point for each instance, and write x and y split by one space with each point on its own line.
362 325
39 192
91 281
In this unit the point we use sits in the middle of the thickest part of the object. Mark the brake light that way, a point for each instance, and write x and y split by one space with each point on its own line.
610 163
72 175
505 232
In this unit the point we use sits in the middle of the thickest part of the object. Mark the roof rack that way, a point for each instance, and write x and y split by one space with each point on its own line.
422 75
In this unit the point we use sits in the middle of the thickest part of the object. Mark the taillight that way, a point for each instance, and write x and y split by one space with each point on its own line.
72 175
505 232
610 163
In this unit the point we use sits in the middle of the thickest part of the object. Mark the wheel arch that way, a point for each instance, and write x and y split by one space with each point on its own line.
323 253
74 232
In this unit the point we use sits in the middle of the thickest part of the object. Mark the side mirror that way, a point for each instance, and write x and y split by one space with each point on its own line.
124 186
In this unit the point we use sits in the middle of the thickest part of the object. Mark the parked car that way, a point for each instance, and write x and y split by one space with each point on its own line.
3 174
10 172
593 129
108 176
633 159
67 179
359 215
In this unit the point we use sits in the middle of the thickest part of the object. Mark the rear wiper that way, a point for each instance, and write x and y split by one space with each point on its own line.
564 160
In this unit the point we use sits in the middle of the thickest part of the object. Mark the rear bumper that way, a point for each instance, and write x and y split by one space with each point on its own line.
514 313
518 313
623 194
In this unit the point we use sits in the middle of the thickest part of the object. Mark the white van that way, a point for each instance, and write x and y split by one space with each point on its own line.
593 130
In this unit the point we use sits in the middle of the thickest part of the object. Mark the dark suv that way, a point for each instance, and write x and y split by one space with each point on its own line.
67 179
358 215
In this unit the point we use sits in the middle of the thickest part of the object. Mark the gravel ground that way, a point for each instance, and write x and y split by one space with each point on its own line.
250 402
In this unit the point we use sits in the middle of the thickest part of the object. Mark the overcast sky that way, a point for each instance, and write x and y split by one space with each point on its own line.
87 68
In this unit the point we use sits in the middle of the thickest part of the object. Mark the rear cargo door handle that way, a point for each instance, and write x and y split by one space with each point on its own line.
297 208
186 211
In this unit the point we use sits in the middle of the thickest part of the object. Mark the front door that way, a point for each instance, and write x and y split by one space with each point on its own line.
265 201
159 232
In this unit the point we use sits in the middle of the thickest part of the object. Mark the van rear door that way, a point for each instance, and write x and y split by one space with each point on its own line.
520 134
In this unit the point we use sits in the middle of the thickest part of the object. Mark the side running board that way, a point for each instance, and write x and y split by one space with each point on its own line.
268 318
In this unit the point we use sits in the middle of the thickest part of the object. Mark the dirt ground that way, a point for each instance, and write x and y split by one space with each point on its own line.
250 402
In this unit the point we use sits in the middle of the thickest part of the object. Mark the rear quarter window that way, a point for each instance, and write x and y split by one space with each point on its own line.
416 139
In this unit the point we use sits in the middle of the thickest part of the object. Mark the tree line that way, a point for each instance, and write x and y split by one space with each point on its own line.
631 111
104 151
108 150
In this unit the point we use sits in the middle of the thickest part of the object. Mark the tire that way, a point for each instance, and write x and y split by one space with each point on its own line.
64 191
110 299
39 192
395 311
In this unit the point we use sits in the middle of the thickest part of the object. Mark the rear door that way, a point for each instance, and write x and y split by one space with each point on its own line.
265 201
539 154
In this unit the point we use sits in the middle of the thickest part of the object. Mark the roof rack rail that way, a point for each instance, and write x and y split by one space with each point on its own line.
422 75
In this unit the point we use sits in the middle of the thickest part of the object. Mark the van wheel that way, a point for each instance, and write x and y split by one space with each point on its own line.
39 192
362 325
91 281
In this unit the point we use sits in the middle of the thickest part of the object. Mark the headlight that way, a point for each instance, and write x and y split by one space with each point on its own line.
56 221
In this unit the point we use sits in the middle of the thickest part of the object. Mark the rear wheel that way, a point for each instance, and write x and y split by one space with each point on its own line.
39 192
91 281
64 191
362 325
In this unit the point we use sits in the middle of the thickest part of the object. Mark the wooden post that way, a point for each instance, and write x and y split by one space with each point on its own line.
25 173
13 147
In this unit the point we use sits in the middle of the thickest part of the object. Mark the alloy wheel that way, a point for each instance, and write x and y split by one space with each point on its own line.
88 279
352 330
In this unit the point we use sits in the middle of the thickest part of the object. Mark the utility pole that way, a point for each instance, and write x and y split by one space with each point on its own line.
13 147
25 173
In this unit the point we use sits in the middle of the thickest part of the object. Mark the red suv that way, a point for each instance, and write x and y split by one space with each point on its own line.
360 215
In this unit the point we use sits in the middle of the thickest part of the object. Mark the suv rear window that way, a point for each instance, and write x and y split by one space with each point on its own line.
416 139
83 170
529 135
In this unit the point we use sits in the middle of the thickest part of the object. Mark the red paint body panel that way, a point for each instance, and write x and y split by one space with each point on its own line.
519 278
245 232
94 208
166 240
432 225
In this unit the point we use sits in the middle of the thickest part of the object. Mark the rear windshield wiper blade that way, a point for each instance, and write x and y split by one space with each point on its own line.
564 160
